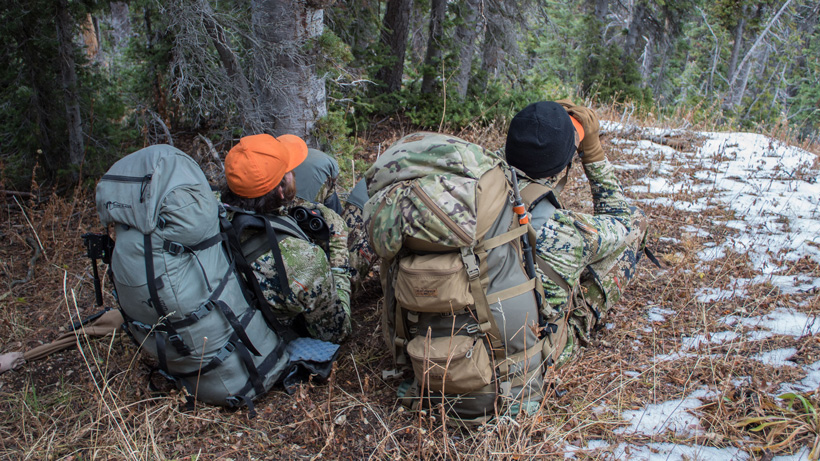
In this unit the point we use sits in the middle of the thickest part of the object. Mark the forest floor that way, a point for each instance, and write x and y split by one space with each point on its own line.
695 356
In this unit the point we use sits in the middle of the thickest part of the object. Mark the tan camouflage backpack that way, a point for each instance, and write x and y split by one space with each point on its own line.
459 308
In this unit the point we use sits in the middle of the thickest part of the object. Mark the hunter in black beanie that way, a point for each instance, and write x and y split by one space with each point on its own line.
541 140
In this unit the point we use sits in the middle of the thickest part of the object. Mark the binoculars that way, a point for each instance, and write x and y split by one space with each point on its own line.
308 219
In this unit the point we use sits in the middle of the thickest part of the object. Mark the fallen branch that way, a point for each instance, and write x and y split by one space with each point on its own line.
31 262
18 194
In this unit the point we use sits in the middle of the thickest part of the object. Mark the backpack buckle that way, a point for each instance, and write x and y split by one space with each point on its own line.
174 248
179 344
472 329
470 263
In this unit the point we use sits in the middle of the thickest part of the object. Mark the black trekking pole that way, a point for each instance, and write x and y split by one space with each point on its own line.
523 219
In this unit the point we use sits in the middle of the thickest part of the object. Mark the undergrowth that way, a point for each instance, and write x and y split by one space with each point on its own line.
101 401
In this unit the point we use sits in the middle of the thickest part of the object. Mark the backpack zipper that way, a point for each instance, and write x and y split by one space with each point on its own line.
143 180
460 233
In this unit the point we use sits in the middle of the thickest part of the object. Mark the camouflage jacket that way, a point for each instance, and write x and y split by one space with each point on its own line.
570 240
319 283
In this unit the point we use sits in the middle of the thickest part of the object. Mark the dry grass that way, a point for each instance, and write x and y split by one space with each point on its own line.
96 402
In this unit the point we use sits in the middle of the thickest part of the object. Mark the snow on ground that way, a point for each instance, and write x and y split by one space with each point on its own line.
769 196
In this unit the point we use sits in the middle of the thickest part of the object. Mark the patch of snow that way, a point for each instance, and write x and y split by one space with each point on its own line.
712 254
802 455
782 321
693 207
697 231
720 337
807 384
656 419
592 445
669 240
777 358
673 356
770 186
627 166
703 393
709 294
658 314
676 452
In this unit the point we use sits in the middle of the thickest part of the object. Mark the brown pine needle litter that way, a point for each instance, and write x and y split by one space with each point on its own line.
100 402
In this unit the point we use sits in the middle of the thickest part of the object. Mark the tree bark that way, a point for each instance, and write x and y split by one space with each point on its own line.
432 60
68 79
291 95
635 31
491 49
729 98
90 38
395 27
466 33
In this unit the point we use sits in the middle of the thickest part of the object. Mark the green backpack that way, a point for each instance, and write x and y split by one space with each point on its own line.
459 308
185 289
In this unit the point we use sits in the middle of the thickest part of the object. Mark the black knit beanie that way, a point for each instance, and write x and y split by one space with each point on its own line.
541 140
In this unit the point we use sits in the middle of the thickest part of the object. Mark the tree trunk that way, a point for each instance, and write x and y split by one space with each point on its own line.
635 31
657 88
730 76
120 20
432 61
466 33
647 62
90 37
160 102
291 96
600 8
491 50
394 36
738 90
68 78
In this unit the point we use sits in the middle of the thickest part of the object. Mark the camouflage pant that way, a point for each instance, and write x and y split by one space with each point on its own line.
601 286
362 256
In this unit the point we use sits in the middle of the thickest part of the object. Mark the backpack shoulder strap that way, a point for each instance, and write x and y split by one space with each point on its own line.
535 191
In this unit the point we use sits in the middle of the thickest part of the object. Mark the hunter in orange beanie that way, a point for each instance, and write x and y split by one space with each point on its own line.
258 163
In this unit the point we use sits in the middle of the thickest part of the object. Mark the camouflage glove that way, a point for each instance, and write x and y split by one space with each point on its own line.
591 144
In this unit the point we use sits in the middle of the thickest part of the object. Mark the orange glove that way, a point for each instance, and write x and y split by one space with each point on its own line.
591 144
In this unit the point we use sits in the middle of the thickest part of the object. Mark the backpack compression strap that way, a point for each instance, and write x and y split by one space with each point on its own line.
173 336
249 277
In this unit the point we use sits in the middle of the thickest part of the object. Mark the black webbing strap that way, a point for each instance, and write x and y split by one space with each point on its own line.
175 249
249 277
216 361
178 248
194 316
651 256
239 331
270 361
173 336
254 377
236 401
284 286
159 338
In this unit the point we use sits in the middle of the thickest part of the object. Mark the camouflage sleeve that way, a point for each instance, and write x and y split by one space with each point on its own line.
571 240
607 195
339 257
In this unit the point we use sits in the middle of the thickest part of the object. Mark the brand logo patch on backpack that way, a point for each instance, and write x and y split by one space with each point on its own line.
426 292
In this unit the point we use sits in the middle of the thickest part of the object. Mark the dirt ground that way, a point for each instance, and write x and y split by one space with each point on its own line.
99 402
